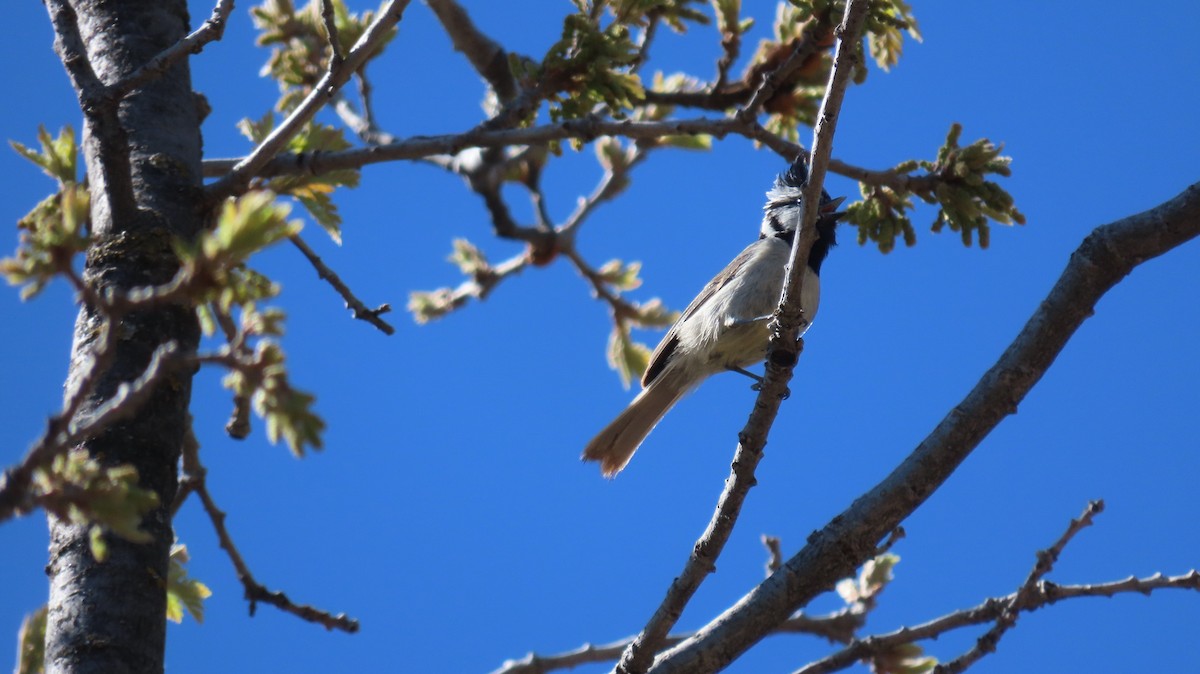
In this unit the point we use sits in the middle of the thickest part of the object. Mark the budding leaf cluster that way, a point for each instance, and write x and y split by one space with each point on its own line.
76 488
314 192
628 357
56 229
287 411
957 182
481 276
299 46
184 593
861 593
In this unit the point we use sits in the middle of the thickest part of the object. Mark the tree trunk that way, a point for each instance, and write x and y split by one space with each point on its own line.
110 616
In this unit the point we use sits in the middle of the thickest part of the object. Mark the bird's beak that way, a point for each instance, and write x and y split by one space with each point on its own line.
829 210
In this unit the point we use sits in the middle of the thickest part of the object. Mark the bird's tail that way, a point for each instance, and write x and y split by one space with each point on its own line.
615 445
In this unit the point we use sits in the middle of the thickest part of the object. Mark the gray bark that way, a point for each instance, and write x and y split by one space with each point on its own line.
143 166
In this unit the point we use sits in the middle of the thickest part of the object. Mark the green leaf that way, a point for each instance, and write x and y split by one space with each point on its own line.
654 314
620 275
75 487
183 592
51 235
58 156
245 226
469 259
31 643
627 357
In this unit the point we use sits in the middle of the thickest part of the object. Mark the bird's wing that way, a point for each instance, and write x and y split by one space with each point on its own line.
664 350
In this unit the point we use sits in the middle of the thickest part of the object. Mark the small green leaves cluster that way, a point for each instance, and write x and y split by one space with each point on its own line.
862 591
639 12
184 593
217 263
427 305
288 413
629 358
957 182
967 198
76 488
314 192
887 21
56 229
587 67
31 643
729 19
299 46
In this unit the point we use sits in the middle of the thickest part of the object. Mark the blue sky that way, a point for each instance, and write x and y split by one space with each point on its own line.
449 512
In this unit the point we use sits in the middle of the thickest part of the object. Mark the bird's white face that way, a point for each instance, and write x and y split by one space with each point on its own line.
782 211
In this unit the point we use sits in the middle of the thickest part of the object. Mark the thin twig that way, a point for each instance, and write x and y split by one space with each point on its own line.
331 33
1008 617
212 30
195 474
774 553
322 93
355 305
639 656
838 626
69 428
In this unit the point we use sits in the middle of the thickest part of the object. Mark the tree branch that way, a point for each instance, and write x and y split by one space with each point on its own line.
323 92
195 477
782 355
488 58
1008 617
360 310
212 30
838 626
1105 257
114 189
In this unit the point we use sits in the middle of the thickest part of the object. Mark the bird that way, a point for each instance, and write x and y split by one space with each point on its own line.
725 326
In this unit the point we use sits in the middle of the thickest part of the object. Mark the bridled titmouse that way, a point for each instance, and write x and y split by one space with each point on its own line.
725 326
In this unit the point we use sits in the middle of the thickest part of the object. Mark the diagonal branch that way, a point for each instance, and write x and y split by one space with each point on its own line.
195 479
784 350
1008 617
212 30
325 90
488 58
1105 257
361 312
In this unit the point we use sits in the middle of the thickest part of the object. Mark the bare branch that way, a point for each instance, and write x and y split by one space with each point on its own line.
838 626
212 30
323 92
488 58
1105 257
1008 617
774 553
360 310
782 355
331 33
1044 593
196 475
73 53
